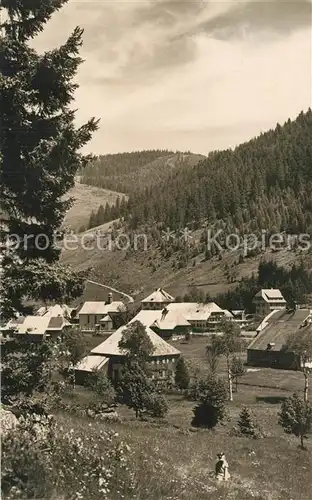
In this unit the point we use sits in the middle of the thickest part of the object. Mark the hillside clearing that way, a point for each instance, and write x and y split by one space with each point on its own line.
87 198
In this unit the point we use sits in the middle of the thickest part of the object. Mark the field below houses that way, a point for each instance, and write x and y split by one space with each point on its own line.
172 460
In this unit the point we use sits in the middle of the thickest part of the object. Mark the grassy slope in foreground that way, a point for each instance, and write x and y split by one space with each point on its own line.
172 462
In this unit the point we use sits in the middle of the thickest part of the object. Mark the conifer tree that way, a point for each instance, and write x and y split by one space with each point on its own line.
182 376
296 417
100 216
40 150
246 424
211 398
135 387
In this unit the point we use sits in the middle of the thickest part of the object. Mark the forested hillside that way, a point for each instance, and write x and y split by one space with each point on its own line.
108 171
126 172
264 183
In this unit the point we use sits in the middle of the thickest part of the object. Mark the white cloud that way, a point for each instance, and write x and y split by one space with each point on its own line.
156 78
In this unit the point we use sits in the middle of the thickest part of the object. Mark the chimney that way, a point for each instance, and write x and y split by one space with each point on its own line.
110 298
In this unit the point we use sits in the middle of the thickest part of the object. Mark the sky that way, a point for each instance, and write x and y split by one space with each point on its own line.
186 75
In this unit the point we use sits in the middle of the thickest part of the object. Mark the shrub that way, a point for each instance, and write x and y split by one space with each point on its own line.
157 406
102 387
80 463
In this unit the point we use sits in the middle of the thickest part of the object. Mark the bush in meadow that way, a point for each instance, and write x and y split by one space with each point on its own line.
157 406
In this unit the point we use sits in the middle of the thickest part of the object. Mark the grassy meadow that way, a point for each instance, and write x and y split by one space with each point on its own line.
172 460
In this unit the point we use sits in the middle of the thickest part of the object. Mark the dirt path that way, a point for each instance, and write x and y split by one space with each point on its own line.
130 299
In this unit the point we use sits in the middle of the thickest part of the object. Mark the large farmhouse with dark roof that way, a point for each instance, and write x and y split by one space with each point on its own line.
108 357
268 347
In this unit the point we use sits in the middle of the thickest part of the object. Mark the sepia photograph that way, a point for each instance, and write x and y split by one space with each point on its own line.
156 249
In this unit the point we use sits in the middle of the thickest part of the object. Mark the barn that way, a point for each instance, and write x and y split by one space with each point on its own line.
268 347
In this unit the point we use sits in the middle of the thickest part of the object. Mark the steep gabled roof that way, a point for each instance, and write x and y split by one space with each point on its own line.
110 346
159 295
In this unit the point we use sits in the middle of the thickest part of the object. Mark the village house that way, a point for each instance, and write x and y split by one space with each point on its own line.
157 300
109 358
35 328
267 300
268 347
180 318
101 316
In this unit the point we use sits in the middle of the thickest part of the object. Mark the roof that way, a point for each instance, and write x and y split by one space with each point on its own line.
100 307
159 295
265 321
57 323
279 326
193 311
157 318
91 362
179 314
271 294
106 318
36 325
170 321
56 310
110 346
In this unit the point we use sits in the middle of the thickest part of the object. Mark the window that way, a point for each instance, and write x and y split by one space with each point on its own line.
88 319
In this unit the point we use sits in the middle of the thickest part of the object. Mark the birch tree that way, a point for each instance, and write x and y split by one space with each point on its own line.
227 345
